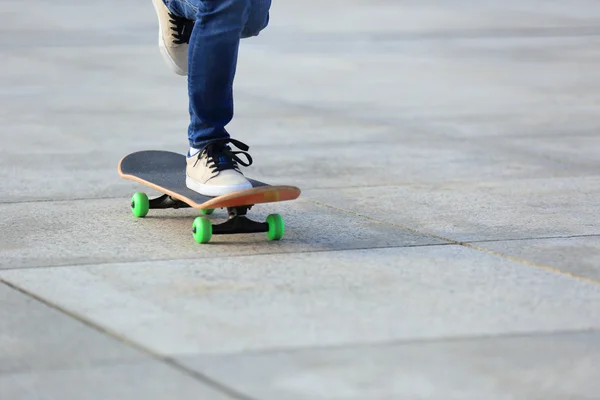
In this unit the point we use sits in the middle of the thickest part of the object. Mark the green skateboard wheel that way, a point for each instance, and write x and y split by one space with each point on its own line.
140 205
208 211
202 230
276 227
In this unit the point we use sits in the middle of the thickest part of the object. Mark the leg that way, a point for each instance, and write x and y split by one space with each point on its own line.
213 54
212 57
212 60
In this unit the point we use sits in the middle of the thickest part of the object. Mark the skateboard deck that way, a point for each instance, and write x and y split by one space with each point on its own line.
164 171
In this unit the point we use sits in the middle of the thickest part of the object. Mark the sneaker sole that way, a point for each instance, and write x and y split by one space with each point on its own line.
213 190
162 45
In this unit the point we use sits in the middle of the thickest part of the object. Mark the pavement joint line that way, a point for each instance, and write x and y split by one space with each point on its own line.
533 264
115 335
33 201
304 190
405 342
586 235
171 361
470 246
156 260
78 366
447 34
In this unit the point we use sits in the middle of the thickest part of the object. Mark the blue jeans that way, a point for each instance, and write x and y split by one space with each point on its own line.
212 58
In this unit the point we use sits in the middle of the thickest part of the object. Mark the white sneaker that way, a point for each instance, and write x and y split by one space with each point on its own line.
173 37
214 171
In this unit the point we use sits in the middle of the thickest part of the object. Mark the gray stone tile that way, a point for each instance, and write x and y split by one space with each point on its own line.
404 161
450 86
556 366
102 231
470 211
577 255
405 84
505 70
433 16
68 23
36 337
537 104
234 304
148 381
567 147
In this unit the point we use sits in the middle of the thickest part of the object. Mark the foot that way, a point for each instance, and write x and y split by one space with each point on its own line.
214 170
173 37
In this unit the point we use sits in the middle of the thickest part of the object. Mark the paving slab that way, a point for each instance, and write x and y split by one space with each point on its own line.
567 147
149 380
248 303
432 16
555 367
577 255
104 231
405 161
35 337
472 211
439 84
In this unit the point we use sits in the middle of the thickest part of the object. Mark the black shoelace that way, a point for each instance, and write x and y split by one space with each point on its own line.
182 29
220 156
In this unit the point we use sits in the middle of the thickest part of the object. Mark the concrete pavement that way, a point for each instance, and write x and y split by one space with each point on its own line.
446 244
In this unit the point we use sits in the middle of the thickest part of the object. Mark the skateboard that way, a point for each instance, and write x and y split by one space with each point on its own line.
164 171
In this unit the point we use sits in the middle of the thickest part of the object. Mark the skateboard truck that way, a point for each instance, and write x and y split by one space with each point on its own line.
239 223
203 228
165 201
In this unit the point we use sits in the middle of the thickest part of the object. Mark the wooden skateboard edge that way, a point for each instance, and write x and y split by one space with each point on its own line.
229 200
219 201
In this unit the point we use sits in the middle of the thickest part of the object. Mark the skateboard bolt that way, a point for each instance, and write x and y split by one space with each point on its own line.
133 204
194 230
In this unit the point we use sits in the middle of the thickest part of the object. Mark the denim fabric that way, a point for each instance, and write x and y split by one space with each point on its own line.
212 58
